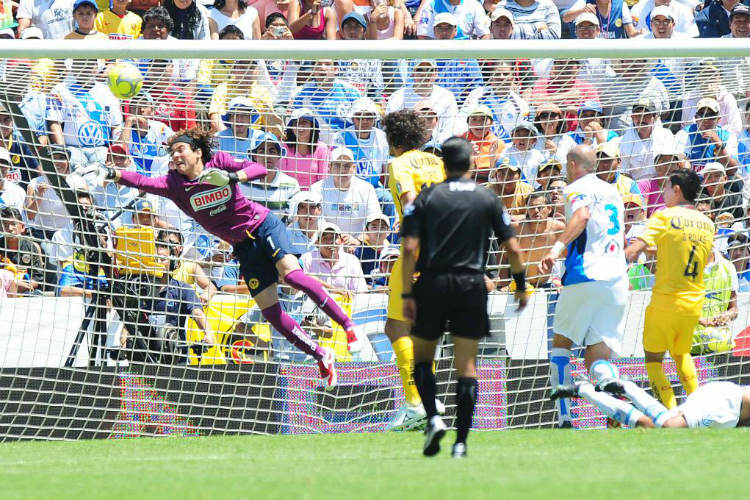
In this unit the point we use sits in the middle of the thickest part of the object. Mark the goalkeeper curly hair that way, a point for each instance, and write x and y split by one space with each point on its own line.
202 138
404 129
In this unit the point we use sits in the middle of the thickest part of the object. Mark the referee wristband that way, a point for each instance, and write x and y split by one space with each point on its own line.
520 280
407 296
557 248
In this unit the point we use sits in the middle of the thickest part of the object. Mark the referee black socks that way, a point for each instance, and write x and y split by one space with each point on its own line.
427 387
466 399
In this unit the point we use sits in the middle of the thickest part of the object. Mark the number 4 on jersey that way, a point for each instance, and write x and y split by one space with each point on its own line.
691 269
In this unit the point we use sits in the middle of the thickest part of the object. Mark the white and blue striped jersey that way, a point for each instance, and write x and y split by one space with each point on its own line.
597 254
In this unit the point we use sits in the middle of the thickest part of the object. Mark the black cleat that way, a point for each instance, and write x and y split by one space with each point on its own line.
459 450
567 424
433 434
564 391
613 386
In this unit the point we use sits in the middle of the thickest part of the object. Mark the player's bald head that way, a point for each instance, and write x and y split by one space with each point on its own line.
584 157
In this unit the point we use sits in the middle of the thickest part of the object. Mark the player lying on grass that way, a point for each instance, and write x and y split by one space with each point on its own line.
716 404
204 186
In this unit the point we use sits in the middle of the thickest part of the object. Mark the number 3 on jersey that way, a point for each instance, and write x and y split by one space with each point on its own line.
614 226
691 269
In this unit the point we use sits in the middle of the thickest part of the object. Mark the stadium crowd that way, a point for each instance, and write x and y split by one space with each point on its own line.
316 127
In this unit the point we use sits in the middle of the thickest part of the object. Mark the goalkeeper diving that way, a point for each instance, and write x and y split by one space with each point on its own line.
204 186
715 404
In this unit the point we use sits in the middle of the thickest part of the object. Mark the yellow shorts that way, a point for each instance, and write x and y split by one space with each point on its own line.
396 287
668 330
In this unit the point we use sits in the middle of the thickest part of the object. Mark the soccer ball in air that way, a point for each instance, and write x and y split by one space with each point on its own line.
125 80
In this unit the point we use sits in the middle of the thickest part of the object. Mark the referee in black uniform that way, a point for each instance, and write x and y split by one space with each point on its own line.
449 227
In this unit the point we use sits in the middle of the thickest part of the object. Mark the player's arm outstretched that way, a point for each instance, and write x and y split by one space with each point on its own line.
573 230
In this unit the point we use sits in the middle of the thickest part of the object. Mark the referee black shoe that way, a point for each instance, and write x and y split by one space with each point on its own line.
433 434
459 450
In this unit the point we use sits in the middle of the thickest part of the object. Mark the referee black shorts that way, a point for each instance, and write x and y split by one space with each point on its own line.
454 302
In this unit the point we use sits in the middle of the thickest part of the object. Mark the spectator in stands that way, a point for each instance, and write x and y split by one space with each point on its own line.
534 19
306 155
430 118
713 19
84 15
387 22
55 18
487 146
373 242
143 138
625 82
711 86
348 201
537 232
714 189
44 209
666 161
171 105
21 251
613 15
502 25
331 264
738 249
607 169
244 81
370 148
187 270
590 129
366 75
190 20
459 76
522 153
548 171
313 21
552 140
705 141
157 25
557 197
23 162
500 94
306 215
472 22
674 14
565 89
240 135
505 181
739 22
423 91
82 114
236 13
11 194
276 189
118 23
641 142
276 28
328 97
587 26
111 198
378 279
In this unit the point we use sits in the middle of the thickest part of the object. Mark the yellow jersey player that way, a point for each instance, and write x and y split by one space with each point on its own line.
683 238
409 172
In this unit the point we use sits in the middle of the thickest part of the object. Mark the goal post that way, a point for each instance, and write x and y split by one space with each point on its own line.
100 285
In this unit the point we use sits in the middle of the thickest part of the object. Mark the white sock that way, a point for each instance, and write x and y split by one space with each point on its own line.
648 404
559 374
622 411
602 369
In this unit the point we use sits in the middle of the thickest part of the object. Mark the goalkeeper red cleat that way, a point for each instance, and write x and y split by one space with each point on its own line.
327 367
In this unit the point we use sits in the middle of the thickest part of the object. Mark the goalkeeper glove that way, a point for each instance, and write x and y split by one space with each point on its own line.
217 177
96 173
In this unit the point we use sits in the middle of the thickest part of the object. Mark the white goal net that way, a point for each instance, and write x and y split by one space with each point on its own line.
98 340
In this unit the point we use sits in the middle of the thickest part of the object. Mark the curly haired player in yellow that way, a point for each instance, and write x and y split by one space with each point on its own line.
409 172
683 238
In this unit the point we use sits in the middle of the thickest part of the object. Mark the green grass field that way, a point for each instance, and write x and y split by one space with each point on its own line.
658 464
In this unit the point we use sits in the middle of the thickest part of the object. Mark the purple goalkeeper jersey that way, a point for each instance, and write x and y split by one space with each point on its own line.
222 211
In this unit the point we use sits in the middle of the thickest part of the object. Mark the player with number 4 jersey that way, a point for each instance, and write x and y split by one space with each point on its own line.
683 238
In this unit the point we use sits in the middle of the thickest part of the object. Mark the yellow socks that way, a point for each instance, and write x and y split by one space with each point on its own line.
686 371
660 384
403 348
